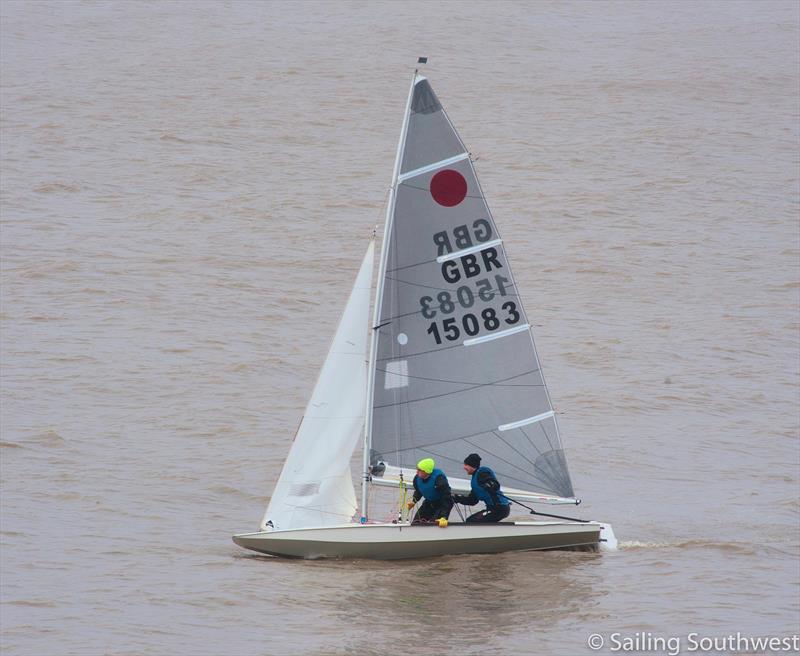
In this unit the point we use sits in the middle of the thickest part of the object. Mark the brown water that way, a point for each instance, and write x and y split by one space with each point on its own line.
187 190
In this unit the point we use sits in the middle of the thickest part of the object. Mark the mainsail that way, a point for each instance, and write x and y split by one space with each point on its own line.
455 367
315 487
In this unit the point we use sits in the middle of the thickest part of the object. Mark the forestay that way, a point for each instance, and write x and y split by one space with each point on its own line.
456 370
315 487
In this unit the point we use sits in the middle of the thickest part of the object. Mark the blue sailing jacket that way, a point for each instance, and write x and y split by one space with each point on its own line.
482 493
427 487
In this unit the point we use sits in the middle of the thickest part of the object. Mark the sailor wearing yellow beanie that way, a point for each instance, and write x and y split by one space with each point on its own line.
431 483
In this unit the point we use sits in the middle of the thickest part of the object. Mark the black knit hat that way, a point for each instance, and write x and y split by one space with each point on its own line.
473 460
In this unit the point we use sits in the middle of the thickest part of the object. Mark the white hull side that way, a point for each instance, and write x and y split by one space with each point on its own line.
397 541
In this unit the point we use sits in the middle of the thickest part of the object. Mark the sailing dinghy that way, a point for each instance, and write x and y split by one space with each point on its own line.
451 369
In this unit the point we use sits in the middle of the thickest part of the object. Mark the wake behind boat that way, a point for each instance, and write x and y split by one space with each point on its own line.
452 368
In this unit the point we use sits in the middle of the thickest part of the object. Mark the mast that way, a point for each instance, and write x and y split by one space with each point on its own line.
365 478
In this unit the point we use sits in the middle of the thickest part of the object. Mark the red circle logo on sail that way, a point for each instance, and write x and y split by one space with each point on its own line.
448 188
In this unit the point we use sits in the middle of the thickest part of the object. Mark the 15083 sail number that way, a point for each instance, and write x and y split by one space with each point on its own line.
472 324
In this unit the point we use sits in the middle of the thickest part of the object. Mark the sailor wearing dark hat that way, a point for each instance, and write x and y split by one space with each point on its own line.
486 488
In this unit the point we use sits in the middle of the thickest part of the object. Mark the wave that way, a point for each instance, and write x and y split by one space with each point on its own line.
232 491
32 604
172 137
10 445
697 543
56 187
48 438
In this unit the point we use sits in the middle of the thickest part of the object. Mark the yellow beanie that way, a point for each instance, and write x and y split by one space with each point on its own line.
426 465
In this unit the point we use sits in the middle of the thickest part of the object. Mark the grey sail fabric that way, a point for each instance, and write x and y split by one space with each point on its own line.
456 370
430 137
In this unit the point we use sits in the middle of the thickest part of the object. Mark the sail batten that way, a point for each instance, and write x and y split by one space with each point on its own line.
454 364
468 251
432 167
526 422
504 333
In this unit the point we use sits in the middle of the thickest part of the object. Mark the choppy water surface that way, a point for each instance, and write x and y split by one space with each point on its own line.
187 190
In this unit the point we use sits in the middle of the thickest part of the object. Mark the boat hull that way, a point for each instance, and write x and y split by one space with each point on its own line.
399 541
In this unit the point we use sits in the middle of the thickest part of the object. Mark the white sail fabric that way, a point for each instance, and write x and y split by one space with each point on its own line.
315 487
456 370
